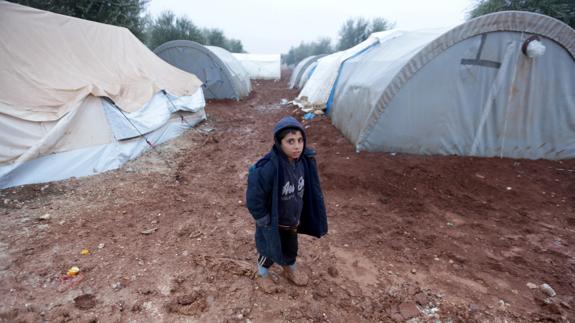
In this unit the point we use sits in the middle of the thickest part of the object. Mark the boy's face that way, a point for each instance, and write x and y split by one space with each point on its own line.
292 145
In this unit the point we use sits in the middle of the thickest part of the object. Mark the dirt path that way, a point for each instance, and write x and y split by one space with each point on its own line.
411 237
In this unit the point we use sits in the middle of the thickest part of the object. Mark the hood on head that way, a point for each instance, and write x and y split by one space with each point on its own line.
288 122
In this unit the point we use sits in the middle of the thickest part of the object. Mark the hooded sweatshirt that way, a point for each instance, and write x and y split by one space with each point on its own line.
292 179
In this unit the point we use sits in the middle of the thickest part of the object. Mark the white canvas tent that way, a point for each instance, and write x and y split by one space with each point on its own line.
260 66
318 87
80 97
307 73
299 70
479 89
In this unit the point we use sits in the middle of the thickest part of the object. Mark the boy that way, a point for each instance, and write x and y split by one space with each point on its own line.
285 198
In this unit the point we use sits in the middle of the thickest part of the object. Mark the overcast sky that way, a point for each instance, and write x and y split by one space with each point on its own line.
273 26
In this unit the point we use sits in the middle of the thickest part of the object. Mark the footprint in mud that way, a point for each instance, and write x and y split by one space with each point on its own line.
85 301
188 304
356 267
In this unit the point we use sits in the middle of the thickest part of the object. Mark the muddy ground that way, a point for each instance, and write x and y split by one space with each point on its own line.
411 238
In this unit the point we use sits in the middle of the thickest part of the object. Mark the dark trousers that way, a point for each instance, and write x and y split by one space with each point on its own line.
288 238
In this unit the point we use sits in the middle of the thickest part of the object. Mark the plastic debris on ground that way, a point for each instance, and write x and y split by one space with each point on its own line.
309 116
73 271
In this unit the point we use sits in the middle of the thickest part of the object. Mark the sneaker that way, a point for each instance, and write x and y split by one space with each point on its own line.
268 285
296 277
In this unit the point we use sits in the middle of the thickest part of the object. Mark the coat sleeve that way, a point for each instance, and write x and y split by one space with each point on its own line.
258 194
313 220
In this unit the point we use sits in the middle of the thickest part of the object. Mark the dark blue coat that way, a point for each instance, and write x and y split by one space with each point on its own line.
263 194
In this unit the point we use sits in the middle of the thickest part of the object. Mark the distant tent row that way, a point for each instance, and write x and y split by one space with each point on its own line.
260 66
502 85
307 73
223 76
80 97
301 73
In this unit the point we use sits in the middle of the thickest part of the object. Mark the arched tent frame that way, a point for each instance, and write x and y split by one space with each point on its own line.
307 73
515 21
239 74
300 69
214 88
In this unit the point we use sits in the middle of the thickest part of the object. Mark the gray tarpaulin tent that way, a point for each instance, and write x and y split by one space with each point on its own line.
222 74
300 69
240 77
499 85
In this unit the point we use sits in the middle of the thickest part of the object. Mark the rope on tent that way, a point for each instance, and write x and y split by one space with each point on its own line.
139 132
176 109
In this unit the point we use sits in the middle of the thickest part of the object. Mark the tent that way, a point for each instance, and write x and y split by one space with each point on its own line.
80 97
501 85
300 69
222 75
307 73
240 76
318 87
261 67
